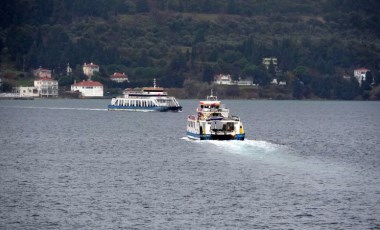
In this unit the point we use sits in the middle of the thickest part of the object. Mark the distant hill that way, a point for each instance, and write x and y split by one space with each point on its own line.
316 42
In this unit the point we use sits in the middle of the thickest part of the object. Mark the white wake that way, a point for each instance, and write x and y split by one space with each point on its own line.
55 108
246 147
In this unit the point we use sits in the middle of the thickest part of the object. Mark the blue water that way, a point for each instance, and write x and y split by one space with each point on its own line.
71 164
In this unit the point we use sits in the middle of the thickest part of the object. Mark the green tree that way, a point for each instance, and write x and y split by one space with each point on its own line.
142 6
272 70
347 89
208 74
65 81
232 7
366 83
7 12
298 89
178 62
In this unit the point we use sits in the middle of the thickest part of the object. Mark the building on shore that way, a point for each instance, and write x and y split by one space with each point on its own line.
88 88
46 87
119 77
223 79
277 82
42 73
26 91
90 69
226 79
43 87
268 61
360 74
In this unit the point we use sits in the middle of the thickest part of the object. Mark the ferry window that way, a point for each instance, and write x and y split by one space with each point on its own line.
230 126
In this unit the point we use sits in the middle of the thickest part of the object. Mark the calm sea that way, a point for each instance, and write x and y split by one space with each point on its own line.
71 164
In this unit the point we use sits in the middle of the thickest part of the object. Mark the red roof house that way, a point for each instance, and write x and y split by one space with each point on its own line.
119 77
88 88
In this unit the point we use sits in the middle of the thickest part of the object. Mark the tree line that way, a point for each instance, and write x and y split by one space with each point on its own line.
316 42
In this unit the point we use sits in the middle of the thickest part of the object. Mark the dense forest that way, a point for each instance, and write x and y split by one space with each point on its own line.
183 44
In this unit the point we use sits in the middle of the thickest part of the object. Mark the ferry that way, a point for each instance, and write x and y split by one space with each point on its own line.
214 122
148 99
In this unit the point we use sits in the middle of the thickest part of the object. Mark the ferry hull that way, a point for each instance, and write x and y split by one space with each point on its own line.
146 109
214 122
221 137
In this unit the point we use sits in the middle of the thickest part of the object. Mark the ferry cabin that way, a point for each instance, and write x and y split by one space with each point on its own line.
133 102
228 129
214 123
148 99
144 104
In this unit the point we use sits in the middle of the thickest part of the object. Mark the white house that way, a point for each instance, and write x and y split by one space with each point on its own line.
42 73
88 88
275 82
267 61
222 79
46 87
359 74
242 82
26 91
89 69
119 77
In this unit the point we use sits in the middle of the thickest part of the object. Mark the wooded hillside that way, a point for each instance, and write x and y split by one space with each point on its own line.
183 43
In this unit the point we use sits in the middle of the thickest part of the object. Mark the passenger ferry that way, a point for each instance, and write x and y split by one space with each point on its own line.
214 122
148 99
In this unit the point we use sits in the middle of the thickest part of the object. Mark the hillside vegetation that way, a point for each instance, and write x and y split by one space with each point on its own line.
183 44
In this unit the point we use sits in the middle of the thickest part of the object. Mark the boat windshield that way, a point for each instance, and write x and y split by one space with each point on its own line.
212 97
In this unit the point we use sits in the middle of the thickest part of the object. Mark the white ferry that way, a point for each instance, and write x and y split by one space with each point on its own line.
148 99
213 122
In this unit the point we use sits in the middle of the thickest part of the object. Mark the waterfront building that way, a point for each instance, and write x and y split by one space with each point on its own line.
26 91
360 74
88 88
42 73
119 77
223 79
90 69
46 87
